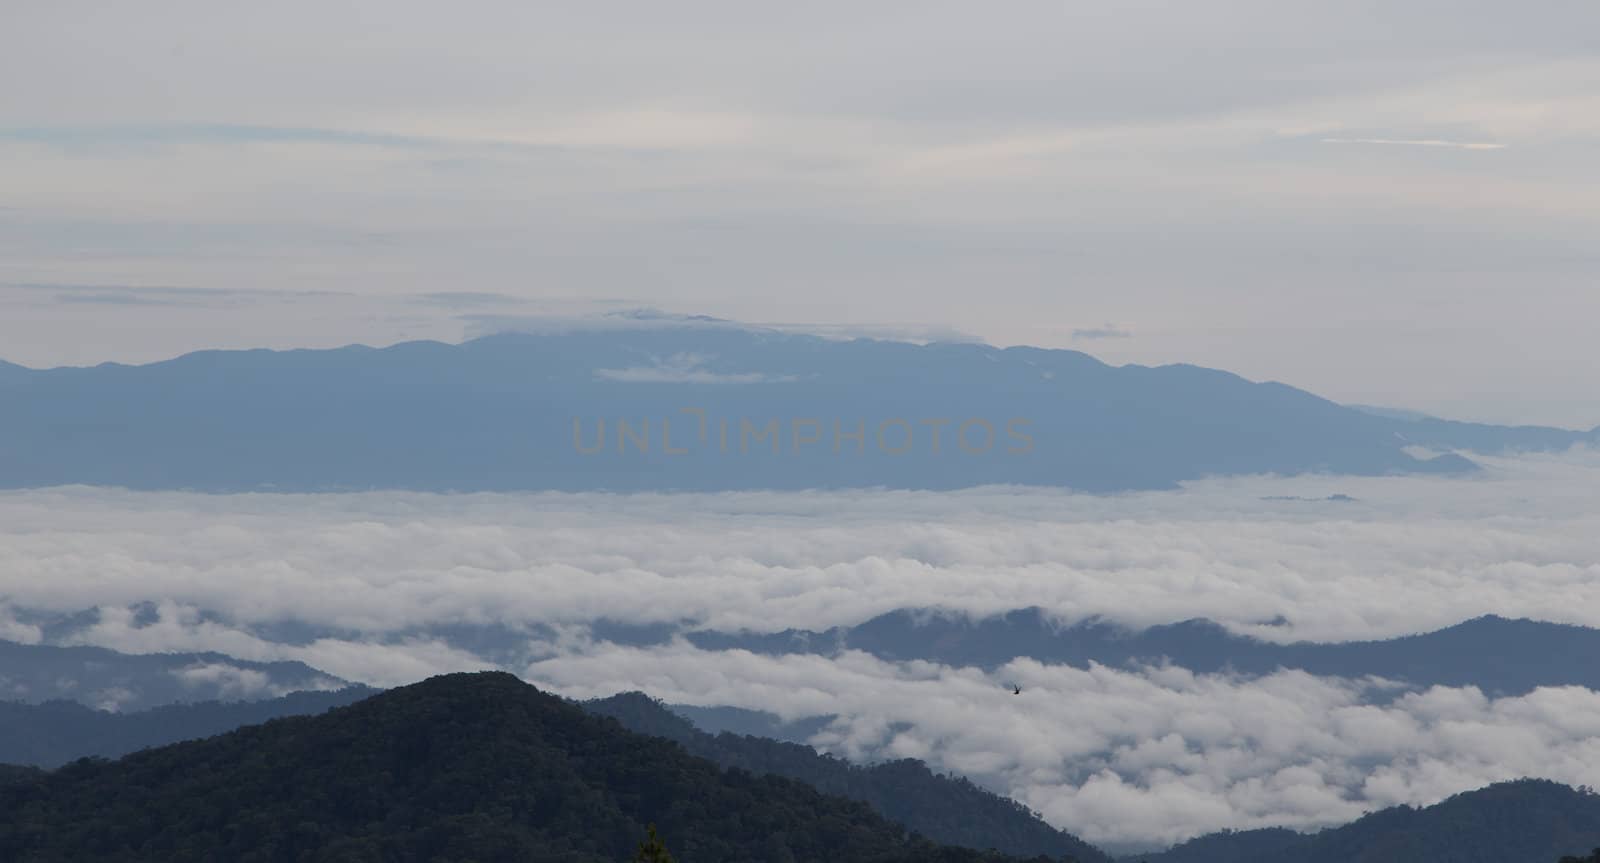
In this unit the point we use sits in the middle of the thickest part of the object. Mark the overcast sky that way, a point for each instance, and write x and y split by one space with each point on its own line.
1393 203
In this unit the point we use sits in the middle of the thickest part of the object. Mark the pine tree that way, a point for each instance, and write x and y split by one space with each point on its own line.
652 849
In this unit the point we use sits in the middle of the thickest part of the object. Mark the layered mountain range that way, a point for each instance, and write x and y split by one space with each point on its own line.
693 404
486 767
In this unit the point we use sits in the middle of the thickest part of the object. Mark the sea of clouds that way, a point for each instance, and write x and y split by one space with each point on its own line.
387 588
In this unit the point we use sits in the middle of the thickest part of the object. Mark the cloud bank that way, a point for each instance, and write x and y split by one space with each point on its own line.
1153 755
1407 555
388 588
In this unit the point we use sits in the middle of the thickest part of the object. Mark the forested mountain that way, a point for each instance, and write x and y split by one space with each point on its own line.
107 679
1269 845
56 732
1498 655
708 405
945 809
1511 822
478 767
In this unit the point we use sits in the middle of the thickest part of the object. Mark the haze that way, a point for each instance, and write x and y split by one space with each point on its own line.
1385 204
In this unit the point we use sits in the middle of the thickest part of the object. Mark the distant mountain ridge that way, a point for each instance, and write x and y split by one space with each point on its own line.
13 373
945 809
56 732
462 767
107 679
485 767
697 406
1527 821
1496 654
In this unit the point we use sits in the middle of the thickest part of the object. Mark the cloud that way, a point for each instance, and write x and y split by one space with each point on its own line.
1411 554
112 699
230 681
1136 756
467 299
849 172
594 320
602 319
12 629
174 627
1419 142
685 369
1109 331
111 299
91 138
388 588
157 295
891 332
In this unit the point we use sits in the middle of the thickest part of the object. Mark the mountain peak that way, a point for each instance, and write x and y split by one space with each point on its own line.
510 413
464 766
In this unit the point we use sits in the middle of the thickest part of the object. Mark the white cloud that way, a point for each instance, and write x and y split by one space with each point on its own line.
685 369
180 628
378 587
112 698
12 629
1419 142
229 681
1132 756
1410 554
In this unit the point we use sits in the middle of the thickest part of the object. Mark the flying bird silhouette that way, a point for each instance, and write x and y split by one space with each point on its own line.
1015 689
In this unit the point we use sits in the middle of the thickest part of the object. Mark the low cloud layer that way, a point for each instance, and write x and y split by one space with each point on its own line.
1408 554
388 588
1158 754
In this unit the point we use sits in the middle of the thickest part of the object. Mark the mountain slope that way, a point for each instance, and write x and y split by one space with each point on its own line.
107 679
11 373
463 767
1529 821
712 407
945 809
56 732
1496 654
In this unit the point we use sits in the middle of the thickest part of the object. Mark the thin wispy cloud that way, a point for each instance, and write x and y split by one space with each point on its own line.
1108 331
686 369
467 299
90 137
1419 142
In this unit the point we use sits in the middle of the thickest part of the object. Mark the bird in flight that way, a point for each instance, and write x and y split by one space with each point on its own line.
1015 689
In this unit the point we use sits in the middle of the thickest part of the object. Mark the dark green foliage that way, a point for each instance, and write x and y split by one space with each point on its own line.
1511 822
652 849
53 733
1229 846
946 809
467 767
10 773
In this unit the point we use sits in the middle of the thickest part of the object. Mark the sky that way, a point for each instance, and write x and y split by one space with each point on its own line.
388 588
1393 204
